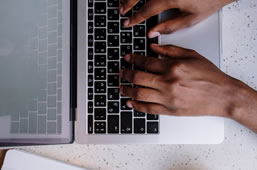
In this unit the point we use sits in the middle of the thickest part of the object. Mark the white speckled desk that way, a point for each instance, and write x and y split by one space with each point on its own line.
239 149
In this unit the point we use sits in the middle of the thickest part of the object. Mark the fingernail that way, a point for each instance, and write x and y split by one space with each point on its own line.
121 9
129 104
154 34
126 22
127 57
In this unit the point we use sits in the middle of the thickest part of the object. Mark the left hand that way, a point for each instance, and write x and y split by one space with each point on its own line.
182 83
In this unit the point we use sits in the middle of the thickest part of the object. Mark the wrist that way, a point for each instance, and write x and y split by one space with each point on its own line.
243 102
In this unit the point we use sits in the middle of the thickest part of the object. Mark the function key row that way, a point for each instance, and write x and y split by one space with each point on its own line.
115 3
110 3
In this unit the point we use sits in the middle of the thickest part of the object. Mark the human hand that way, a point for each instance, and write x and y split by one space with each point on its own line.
182 83
191 12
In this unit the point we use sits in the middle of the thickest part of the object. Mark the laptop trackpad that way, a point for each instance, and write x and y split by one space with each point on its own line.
203 37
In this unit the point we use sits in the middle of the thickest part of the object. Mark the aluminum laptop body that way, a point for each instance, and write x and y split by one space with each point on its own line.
43 68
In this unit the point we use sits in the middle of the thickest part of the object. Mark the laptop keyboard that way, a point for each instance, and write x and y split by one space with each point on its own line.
108 43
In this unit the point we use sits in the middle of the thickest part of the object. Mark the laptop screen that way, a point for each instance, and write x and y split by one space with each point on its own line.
35 72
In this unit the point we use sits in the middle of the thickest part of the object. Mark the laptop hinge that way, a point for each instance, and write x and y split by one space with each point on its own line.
73 60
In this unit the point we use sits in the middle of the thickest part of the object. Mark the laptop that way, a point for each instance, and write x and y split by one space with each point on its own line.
59 71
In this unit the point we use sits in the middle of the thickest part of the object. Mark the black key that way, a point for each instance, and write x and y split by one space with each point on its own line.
113 67
152 127
90 124
113 3
90 40
100 20
90 27
149 50
90 94
139 125
139 31
125 49
123 105
100 7
100 100
113 94
139 114
113 40
113 80
152 117
90 80
113 14
90 53
126 37
90 66
100 127
100 34
150 24
90 107
100 73
90 14
100 113
90 3
100 47
100 87
122 27
142 53
128 14
113 27
113 54
124 81
125 64
126 122
113 124
139 44
100 60
113 107
139 5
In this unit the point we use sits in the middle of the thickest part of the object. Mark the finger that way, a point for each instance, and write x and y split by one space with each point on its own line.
126 5
141 94
173 51
147 63
151 8
141 78
173 25
152 108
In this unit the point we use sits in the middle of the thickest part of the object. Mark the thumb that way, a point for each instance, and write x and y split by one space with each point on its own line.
173 25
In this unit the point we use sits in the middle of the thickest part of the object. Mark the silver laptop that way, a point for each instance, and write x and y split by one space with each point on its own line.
59 71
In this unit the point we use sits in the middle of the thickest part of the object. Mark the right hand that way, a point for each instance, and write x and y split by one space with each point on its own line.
192 12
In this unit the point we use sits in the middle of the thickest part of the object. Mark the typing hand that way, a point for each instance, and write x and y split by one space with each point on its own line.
191 12
182 83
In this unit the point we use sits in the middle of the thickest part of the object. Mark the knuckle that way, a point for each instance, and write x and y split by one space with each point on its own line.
176 68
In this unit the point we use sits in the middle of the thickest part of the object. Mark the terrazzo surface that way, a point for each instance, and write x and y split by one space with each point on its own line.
239 149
